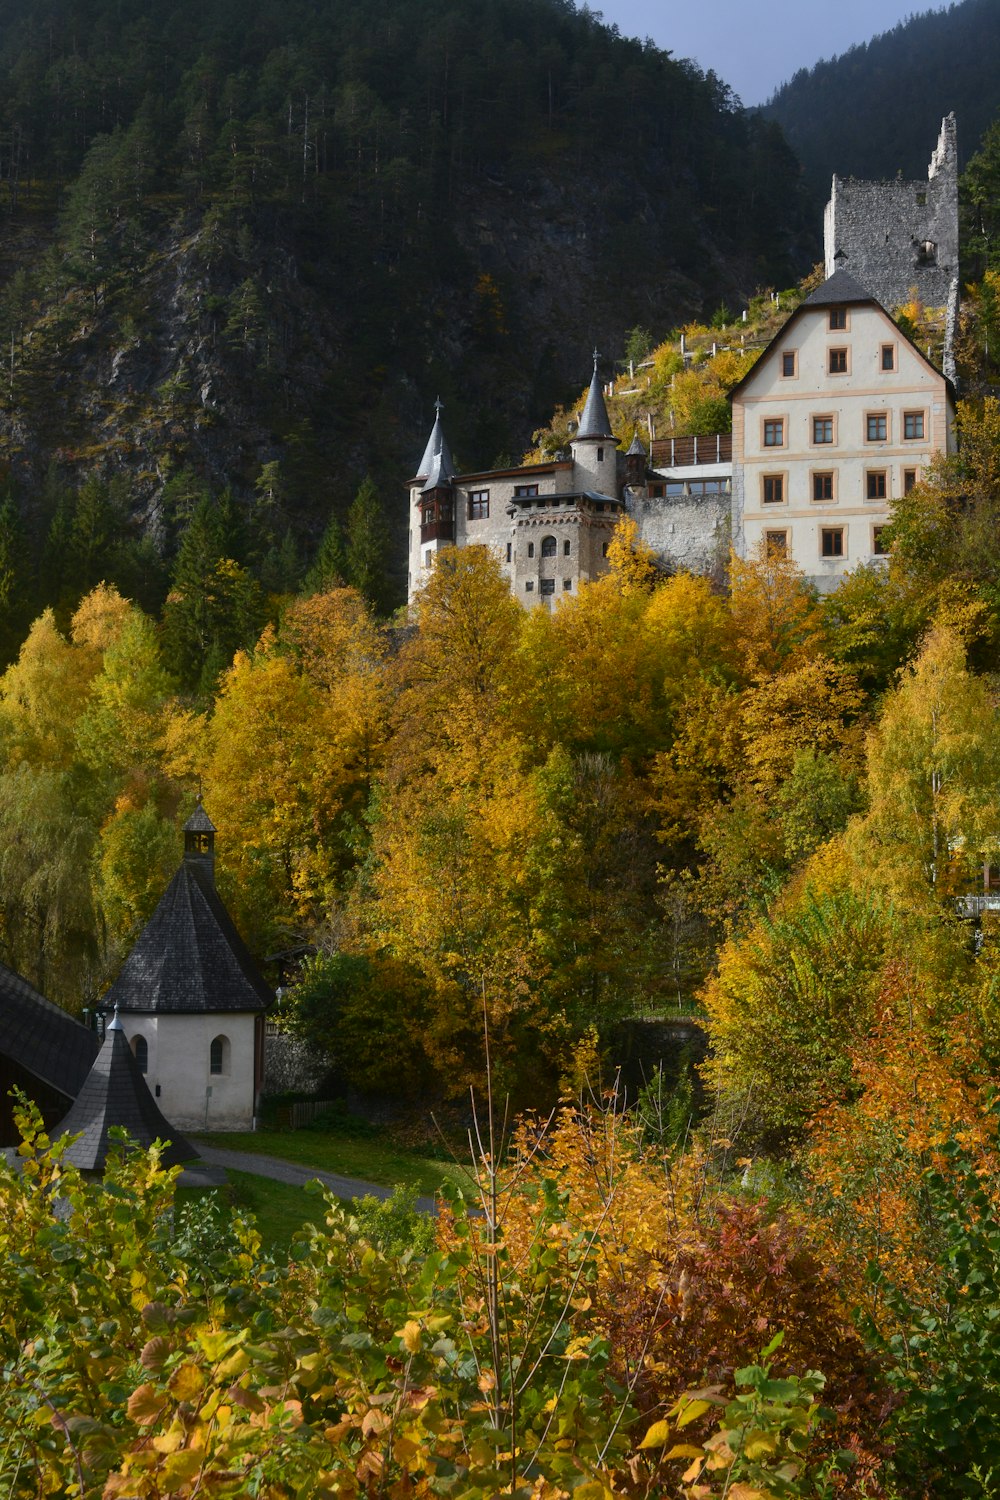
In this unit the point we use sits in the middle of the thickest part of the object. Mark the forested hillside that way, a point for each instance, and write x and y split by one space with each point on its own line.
245 246
876 110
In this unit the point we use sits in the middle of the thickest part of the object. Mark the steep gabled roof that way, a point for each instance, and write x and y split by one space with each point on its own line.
41 1038
595 422
437 444
440 475
189 956
116 1094
840 290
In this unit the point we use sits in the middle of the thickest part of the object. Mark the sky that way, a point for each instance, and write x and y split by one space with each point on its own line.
754 45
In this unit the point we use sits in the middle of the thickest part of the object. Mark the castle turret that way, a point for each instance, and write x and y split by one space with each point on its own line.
635 464
593 445
432 493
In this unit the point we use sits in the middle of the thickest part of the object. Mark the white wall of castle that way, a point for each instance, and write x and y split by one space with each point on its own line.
179 1074
909 402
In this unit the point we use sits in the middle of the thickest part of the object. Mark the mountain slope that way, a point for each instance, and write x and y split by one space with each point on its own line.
239 235
876 110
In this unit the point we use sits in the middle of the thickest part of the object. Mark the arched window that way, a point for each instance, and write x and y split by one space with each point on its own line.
218 1055
140 1048
548 546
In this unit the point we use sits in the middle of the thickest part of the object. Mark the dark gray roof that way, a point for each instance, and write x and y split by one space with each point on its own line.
189 956
41 1038
595 422
199 821
437 443
440 473
839 288
115 1093
636 448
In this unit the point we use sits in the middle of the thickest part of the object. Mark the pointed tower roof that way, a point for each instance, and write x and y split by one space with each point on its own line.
595 422
189 956
440 475
115 1093
437 446
636 448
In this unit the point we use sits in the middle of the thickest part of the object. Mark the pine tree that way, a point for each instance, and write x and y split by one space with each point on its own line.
368 546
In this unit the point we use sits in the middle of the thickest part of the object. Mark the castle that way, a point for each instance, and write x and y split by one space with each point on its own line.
840 415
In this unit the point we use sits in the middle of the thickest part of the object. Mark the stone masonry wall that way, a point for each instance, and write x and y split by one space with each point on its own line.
685 531
895 236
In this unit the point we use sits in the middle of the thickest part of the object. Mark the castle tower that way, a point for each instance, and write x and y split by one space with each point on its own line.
593 446
432 499
635 464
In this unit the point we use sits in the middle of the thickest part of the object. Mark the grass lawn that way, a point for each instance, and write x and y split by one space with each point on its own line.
373 1159
278 1208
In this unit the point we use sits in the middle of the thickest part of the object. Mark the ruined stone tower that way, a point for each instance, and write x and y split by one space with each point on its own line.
894 237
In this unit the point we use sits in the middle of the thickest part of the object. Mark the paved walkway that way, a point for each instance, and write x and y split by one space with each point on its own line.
295 1174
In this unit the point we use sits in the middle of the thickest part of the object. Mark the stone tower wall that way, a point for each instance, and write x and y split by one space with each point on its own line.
895 236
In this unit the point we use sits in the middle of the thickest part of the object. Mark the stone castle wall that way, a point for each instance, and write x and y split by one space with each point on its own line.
899 236
685 531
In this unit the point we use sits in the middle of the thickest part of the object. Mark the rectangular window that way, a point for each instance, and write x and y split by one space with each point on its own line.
509 550
479 505
838 361
913 424
877 426
875 488
909 480
888 356
529 587
880 541
838 318
822 429
774 489
547 586
774 433
567 585
788 362
823 486
525 489
531 549
566 549
776 543
832 541
655 492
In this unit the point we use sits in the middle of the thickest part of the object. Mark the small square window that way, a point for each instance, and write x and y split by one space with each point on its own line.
913 424
880 541
774 433
838 361
566 549
529 586
526 491
909 480
547 586
838 318
822 429
832 541
877 427
567 585
875 488
888 356
788 361
776 543
531 549
823 486
774 489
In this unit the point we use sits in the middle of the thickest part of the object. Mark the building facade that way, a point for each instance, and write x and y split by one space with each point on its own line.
839 416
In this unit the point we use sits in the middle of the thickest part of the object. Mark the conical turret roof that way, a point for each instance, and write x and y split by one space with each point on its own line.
595 422
189 956
636 448
115 1093
437 448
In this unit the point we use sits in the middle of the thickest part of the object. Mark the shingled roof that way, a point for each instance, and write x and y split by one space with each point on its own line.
41 1038
594 421
116 1094
189 956
840 288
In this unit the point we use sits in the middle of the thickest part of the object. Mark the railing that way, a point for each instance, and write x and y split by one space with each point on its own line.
974 906
679 452
438 531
